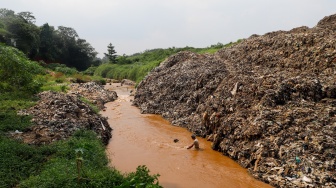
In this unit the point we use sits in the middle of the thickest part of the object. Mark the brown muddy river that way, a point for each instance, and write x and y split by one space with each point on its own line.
143 139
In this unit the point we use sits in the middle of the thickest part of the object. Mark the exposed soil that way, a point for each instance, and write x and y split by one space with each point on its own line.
268 102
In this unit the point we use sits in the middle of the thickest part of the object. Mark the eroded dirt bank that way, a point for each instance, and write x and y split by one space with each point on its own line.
140 139
268 102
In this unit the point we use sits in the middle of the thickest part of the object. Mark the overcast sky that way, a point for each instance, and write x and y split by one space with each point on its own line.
137 25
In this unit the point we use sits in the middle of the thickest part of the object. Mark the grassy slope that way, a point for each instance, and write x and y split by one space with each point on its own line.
137 66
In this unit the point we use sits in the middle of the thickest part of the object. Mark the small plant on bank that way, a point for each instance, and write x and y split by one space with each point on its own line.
79 162
92 106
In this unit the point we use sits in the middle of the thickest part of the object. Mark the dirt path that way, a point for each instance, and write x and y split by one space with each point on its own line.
140 139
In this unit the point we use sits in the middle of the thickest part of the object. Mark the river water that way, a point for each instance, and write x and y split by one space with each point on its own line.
144 139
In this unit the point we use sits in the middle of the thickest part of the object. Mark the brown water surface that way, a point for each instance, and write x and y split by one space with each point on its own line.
142 139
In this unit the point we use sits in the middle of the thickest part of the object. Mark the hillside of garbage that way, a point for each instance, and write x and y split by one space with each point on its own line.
268 102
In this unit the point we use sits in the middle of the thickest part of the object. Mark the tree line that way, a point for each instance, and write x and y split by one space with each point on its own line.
46 43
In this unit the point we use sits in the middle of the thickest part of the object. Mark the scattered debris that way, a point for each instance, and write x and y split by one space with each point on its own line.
127 82
270 102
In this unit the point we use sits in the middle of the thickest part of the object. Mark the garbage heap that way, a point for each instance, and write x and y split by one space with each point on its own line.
268 102
94 92
57 116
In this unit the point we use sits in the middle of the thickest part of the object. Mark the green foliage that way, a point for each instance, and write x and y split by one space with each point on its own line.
141 178
18 161
92 106
90 71
80 78
61 68
55 87
53 66
111 53
66 70
45 43
98 80
20 31
10 103
17 72
58 82
137 66
55 165
62 169
103 69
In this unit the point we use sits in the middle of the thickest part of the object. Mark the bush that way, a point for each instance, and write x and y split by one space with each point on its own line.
17 72
99 80
66 70
90 71
80 78
103 69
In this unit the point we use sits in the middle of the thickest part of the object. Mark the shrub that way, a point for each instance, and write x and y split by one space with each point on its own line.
90 71
17 72
103 69
66 70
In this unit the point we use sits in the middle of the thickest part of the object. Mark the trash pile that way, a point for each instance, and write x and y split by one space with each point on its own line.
57 115
93 92
268 102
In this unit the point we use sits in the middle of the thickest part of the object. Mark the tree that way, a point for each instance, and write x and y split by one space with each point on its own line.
19 31
6 13
47 48
27 16
111 53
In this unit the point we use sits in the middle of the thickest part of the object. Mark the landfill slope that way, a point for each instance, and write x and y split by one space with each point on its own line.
268 102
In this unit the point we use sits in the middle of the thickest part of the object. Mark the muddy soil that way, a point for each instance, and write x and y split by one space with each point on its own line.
143 139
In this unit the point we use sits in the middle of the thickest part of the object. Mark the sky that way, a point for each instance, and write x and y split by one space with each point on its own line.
133 26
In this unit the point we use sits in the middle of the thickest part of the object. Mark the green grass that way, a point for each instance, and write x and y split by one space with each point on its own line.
62 169
9 105
19 161
92 106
